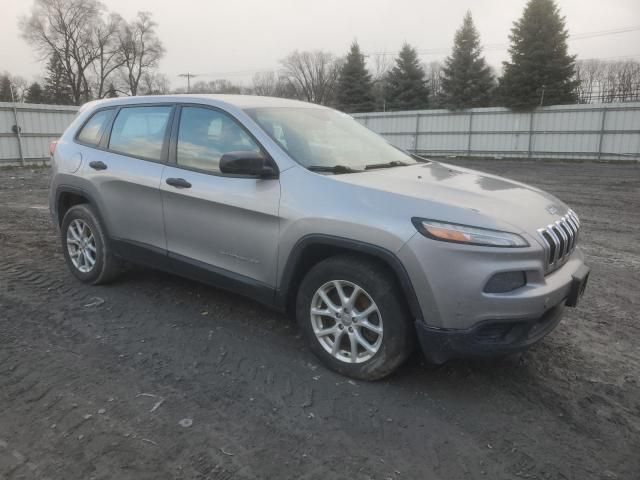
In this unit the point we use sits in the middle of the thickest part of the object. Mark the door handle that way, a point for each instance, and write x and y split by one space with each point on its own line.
178 182
98 165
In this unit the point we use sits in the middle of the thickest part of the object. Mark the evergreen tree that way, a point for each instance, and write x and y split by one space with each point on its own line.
354 84
5 88
34 94
467 80
406 84
541 72
57 89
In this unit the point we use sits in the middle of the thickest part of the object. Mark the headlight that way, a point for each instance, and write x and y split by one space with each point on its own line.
453 232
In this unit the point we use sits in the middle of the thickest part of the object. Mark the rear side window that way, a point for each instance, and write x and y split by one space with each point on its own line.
92 131
139 131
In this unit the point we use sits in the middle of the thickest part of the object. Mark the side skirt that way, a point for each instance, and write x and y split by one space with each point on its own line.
160 259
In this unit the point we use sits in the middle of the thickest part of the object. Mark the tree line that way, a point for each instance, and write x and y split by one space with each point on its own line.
92 53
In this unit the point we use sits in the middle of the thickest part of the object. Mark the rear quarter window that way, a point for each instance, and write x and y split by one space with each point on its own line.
92 131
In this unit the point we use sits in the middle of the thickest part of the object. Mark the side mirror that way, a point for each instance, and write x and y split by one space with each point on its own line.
247 163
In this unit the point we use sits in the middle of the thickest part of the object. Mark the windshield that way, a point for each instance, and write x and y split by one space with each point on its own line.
324 139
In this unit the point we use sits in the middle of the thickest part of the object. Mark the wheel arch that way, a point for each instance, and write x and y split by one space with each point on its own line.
68 196
313 248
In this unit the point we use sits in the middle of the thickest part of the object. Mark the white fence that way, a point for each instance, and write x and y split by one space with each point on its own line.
597 132
39 125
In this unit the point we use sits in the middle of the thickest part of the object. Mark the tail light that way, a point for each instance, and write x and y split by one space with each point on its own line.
52 147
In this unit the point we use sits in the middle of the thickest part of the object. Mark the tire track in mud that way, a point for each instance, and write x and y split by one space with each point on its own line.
38 287
276 392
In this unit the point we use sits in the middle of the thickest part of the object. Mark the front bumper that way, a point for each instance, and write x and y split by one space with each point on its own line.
497 337
449 279
487 339
461 320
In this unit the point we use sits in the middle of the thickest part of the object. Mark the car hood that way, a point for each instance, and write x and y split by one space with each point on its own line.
524 207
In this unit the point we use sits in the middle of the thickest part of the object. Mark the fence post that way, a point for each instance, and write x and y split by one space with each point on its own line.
602 124
415 139
530 134
17 125
470 133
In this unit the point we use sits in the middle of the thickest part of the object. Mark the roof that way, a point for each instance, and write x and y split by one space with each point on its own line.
238 101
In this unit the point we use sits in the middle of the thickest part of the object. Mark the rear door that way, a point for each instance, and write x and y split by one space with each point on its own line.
224 224
125 174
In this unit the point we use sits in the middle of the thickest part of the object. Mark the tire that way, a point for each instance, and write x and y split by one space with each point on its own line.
387 329
81 223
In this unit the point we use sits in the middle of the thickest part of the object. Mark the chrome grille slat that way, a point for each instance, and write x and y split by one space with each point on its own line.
569 234
559 240
564 240
575 227
574 232
556 241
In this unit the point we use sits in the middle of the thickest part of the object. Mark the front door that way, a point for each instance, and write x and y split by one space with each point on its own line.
226 224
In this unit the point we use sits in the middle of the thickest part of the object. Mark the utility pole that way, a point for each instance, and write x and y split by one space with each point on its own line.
188 76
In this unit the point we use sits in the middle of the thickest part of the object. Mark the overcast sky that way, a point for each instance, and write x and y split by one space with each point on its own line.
234 38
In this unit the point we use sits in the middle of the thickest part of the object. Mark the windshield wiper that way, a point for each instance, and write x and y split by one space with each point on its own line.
394 163
332 169
419 158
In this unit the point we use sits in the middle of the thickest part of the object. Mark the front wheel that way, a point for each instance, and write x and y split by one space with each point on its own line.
353 317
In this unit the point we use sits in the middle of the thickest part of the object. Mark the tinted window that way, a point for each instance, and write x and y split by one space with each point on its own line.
92 130
205 135
139 131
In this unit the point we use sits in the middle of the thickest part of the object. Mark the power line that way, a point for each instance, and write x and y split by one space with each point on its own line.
504 46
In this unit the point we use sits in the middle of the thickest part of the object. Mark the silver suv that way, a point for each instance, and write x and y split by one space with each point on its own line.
301 207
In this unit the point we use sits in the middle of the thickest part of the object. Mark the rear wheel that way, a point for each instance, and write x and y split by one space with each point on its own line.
86 247
354 318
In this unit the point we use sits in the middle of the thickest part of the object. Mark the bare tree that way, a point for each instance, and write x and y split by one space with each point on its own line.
220 85
380 65
312 75
108 53
607 82
627 78
589 75
20 87
154 83
270 84
434 76
265 83
140 49
64 29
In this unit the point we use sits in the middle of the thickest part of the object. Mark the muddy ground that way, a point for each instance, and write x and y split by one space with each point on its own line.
157 377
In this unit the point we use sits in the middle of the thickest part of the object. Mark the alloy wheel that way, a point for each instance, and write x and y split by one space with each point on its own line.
81 245
346 321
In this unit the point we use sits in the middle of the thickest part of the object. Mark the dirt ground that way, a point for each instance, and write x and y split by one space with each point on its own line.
157 377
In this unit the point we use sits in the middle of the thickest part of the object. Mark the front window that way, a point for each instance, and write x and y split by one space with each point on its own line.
205 135
321 138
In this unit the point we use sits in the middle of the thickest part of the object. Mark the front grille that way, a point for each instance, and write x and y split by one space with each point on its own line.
559 240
